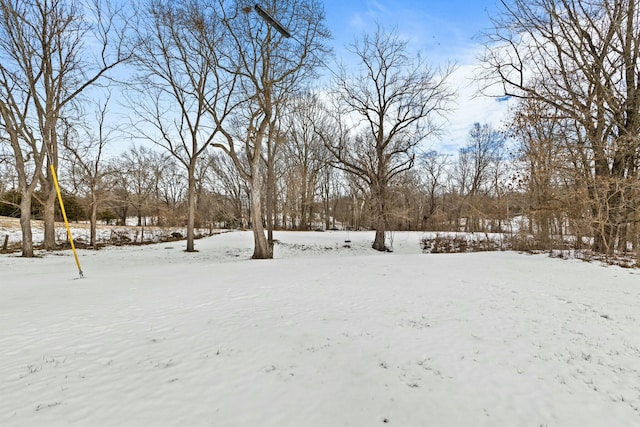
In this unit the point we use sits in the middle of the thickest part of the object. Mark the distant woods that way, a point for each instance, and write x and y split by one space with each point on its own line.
575 68
227 126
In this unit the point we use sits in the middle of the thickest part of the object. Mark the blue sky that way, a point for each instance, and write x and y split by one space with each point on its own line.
436 26
443 31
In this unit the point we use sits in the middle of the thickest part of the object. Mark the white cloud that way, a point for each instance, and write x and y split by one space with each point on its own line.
471 107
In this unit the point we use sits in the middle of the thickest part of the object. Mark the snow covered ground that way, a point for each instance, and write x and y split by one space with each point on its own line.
322 335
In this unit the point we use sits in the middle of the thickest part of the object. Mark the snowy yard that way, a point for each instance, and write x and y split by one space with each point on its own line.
321 336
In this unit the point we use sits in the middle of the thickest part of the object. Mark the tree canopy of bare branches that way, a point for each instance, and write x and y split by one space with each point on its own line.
394 101
270 69
580 58
179 82
51 52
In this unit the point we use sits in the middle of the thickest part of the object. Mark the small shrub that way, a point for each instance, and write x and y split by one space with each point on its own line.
459 244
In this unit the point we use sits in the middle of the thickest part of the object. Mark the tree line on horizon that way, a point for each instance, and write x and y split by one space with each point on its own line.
243 137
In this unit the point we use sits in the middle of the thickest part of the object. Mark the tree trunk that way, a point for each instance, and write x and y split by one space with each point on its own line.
262 249
93 220
380 197
326 212
192 205
25 224
49 213
381 223
605 205
122 217
622 238
302 225
378 243
270 196
51 195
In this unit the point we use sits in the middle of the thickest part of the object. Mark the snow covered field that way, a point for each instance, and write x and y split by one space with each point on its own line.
321 336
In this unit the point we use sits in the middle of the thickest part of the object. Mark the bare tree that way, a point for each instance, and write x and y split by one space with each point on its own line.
305 155
178 83
581 58
474 168
407 202
138 171
8 177
270 70
331 188
543 148
51 52
394 100
224 178
170 193
433 170
85 151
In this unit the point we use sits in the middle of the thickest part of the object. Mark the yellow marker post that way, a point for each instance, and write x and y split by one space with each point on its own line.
66 221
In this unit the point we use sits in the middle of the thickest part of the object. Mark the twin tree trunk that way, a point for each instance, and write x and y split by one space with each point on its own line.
262 249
